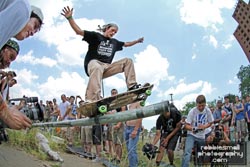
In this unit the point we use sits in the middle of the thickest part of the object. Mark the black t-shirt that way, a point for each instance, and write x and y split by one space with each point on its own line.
167 125
100 48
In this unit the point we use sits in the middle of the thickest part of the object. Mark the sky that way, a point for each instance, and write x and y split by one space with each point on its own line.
188 49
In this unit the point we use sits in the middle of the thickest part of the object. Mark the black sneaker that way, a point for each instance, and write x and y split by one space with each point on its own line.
135 86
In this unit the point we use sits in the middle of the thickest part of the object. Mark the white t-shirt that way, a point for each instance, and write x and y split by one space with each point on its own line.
196 118
14 15
63 108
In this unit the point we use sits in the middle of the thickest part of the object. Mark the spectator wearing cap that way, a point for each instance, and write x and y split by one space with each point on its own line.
8 53
222 116
18 20
10 116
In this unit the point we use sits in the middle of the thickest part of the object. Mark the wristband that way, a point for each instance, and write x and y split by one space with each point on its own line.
70 17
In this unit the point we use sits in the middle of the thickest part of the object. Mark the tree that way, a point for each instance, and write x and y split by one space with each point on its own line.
188 106
153 129
244 77
231 97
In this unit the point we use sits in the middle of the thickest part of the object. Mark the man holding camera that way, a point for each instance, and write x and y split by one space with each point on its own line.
199 118
218 136
168 127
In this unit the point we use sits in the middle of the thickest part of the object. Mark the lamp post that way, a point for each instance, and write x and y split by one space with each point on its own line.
171 98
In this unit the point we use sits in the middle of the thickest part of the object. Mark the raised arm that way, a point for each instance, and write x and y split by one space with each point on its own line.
67 13
127 44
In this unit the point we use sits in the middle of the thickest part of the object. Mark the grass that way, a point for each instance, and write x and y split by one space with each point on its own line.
27 141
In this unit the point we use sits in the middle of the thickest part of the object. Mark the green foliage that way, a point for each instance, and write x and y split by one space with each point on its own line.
153 130
212 103
23 139
145 131
231 98
188 106
244 77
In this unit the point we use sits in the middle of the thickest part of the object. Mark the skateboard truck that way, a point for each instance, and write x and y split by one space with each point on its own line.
144 97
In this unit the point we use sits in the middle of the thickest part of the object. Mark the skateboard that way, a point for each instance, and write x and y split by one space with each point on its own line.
104 105
79 151
108 163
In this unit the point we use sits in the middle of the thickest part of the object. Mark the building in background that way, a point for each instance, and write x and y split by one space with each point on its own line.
242 32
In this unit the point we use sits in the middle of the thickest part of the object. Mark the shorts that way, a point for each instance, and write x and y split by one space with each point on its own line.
105 133
241 125
110 133
118 135
86 134
172 142
97 134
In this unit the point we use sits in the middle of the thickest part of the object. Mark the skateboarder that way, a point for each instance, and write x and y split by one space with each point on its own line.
101 51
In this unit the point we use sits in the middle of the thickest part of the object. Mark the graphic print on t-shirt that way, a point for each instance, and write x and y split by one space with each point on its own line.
169 124
200 119
105 48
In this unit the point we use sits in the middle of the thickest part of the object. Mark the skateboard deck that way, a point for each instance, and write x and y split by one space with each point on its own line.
108 163
79 151
113 102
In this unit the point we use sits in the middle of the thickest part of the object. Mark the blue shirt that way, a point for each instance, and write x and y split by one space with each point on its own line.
247 109
240 115
218 115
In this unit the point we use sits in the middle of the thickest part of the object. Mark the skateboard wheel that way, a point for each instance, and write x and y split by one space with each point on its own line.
102 109
142 103
148 92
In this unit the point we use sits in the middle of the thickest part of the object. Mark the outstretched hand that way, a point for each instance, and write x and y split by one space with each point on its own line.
16 119
67 12
140 40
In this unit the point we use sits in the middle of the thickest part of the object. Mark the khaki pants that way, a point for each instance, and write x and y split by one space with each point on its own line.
86 134
98 70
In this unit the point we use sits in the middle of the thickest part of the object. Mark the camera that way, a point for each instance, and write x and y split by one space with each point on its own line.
150 150
218 131
196 130
30 107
